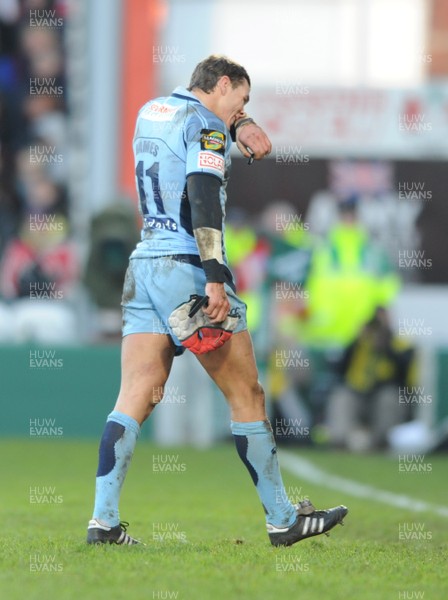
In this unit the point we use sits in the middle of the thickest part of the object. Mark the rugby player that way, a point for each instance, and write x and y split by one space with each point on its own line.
182 157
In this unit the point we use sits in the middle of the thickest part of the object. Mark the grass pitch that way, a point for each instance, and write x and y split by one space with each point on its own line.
204 529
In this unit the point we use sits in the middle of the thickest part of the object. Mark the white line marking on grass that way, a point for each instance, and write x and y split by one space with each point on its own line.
306 470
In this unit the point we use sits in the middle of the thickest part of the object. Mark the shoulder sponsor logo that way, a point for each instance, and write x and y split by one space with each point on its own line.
213 140
159 112
208 160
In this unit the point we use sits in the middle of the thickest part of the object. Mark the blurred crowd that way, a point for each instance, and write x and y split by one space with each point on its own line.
37 254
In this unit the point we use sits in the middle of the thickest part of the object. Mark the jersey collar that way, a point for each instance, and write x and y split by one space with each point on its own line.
184 94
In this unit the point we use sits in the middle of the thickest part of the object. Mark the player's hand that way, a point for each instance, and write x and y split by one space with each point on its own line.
252 136
218 306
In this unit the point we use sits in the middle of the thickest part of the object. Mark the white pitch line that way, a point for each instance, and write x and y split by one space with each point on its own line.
306 470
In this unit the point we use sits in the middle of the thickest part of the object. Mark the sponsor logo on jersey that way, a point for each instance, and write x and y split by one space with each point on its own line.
207 160
159 112
213 140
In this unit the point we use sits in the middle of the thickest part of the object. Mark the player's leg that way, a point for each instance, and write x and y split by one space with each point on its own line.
146 358
233 369
146 363
149 294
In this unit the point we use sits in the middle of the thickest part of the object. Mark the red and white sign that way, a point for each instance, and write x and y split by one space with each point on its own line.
209 160
355 122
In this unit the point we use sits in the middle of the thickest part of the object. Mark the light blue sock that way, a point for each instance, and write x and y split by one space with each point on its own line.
115 453
256 447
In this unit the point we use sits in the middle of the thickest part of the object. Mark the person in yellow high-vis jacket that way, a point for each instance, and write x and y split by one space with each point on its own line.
349 277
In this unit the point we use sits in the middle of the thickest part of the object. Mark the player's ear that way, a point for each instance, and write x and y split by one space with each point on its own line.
224 84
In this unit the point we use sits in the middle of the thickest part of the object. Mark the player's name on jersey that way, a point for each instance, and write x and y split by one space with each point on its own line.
147 146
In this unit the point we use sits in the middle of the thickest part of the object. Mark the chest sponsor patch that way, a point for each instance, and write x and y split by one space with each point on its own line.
159 112
213 140
214 162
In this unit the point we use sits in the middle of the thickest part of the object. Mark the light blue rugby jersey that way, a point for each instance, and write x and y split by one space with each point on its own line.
175 136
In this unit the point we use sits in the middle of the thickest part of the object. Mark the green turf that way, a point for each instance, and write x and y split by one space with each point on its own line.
221 550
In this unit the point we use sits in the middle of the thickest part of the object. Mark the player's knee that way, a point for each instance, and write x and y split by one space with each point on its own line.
247 403
254 395
141 399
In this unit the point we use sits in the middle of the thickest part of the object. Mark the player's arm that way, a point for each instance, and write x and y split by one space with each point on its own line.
247 134
206 215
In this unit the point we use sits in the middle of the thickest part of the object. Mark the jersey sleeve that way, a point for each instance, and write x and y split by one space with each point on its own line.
206 142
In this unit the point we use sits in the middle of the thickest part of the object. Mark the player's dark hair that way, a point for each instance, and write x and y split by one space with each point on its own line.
210 70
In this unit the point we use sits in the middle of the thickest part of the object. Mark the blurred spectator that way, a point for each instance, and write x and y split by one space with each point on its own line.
40 258
365 406
38 276
113 236
349 277
37 190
